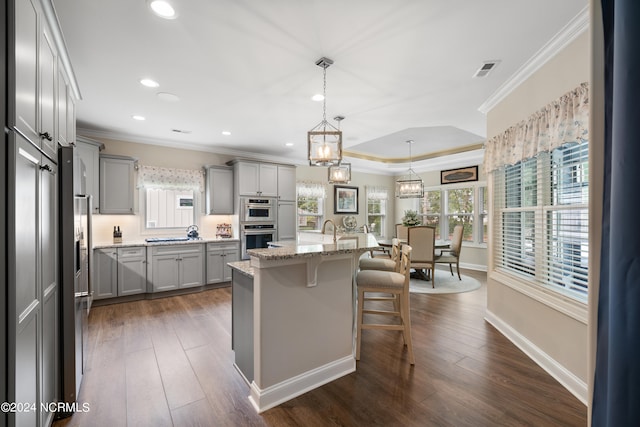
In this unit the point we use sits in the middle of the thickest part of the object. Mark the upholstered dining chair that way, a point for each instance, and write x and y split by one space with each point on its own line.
383 263
401 232
452 255
389 282
422 239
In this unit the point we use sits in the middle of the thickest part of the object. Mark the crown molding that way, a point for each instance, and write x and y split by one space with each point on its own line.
574 28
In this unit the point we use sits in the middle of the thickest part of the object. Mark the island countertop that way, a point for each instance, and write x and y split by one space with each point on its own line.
312 244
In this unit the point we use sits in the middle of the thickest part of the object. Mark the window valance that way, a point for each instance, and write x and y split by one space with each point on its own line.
377 193
311 189
170 178
562 121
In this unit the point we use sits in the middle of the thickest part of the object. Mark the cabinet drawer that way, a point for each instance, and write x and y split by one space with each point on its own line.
222 246
176 249
136 252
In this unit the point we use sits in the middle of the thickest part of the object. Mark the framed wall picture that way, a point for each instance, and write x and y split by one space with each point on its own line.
459 175
345 199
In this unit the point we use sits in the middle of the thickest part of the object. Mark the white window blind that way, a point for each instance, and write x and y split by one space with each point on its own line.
541 219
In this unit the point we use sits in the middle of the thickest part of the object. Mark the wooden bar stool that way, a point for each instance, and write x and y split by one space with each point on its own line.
388 282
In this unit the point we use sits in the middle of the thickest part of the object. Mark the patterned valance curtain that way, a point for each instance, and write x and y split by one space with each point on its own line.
311 189
170 178
377 193
563 121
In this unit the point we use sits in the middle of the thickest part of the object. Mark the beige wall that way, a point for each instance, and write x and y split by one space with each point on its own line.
553 333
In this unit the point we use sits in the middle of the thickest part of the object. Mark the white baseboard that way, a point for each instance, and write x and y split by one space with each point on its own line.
263 399
477 267
575 385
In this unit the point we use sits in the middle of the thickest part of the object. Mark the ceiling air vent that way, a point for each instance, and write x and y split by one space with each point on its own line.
486 67
180 131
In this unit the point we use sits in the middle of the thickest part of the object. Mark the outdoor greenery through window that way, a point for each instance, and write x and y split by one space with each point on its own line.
541 219
444 208
376 209
311 198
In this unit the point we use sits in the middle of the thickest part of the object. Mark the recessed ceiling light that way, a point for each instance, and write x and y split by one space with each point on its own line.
226 132
163 9
317 97
149 83
165 96
289 144
140 118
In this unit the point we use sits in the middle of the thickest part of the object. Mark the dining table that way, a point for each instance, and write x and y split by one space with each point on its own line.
385 244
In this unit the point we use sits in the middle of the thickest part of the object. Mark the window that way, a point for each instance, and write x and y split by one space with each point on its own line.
169 208
541 219
444 208
377 209
311 198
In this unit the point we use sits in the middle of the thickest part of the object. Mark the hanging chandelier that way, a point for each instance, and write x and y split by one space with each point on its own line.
324 140
410 185
340 173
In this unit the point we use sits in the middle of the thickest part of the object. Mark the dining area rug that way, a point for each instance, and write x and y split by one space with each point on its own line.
445 284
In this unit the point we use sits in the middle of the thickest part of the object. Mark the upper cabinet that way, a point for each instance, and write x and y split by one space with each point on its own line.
116 184
256 179
48 79
219 192
88 169
286 182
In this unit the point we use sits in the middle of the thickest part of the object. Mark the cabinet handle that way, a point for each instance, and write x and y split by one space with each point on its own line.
46 136
45 168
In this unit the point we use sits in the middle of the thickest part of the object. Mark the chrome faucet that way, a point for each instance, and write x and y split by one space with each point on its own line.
324 225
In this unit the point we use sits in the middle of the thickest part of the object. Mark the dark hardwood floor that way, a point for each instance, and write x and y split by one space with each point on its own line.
169 362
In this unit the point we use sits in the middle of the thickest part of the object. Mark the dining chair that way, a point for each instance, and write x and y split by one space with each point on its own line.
395 283
422 239
401 232
452 255
383 263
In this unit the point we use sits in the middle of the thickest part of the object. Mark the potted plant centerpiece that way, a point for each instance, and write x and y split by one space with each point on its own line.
411 218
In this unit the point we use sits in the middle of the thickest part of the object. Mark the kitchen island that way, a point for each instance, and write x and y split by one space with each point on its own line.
302 306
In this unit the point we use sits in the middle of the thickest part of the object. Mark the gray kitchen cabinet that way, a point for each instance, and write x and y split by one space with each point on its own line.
218 255
286 183
219 190
256 179
47 99
286 220
175 266
119 272
88 151
116 184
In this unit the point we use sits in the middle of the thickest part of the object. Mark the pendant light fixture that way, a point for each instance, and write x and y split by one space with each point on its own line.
341 173
411 185
324 140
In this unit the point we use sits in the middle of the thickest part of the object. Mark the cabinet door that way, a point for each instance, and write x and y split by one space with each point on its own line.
49 283
90 156
219 191
165 274
268 184
116 185
132 273
287 183
286 220
48 100
230 255
24 342
191 270
248 175
105 264
63 89
26 74
215 266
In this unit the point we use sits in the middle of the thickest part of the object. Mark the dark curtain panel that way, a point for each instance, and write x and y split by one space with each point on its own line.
616 398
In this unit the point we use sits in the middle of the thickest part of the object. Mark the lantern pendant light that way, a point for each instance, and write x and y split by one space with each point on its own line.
324 140
411 185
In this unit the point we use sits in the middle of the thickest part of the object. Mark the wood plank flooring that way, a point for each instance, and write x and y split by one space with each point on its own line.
168 362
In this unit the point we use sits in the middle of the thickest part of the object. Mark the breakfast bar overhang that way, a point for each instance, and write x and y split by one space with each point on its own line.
303 310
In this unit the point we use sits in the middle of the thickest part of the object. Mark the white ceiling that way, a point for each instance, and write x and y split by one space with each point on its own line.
402 70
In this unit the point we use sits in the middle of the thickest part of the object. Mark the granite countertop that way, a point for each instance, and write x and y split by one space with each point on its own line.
132 243
243 267
307 246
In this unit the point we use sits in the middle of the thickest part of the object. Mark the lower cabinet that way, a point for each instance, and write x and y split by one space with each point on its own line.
175 266
218 255
119 272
